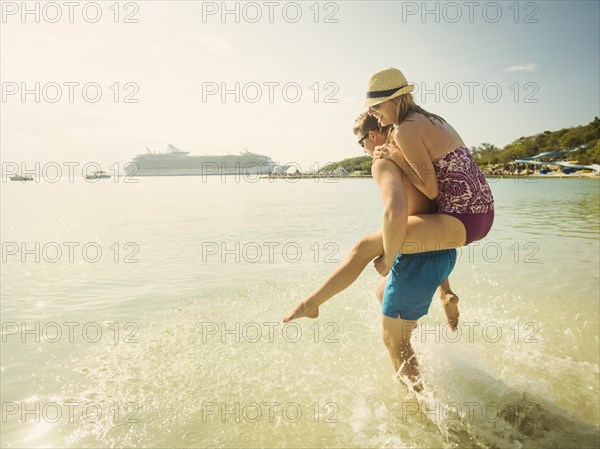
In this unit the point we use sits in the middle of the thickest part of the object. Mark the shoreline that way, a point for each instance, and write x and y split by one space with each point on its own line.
555 176
537 176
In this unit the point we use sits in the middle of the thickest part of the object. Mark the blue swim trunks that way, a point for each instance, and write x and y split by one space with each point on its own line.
412 282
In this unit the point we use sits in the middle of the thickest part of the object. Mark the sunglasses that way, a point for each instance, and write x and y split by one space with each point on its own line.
361 141
375 107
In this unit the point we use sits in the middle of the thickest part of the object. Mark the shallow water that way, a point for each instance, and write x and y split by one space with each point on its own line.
172 336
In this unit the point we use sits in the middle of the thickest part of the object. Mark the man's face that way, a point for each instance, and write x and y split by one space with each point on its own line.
373 139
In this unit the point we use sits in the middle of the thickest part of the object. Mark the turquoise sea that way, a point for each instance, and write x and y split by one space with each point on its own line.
149 314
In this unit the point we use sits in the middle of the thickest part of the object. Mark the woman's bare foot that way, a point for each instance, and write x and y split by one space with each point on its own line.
450 304
301 311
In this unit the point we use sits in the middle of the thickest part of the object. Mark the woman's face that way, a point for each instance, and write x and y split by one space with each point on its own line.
385 112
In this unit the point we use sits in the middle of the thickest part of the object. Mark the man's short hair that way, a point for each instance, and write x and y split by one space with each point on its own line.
365 123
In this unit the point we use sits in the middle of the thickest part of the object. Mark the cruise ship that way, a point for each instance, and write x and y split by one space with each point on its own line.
176 162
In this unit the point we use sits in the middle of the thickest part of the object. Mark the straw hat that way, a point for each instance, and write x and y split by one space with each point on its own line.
385 85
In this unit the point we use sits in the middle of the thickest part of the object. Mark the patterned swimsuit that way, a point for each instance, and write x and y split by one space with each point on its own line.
464 192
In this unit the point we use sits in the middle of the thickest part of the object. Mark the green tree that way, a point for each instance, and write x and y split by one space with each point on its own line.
525 146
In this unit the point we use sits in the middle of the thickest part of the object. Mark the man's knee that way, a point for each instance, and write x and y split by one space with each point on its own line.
387 341
401 348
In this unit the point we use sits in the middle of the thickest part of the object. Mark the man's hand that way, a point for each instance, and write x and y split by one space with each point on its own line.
383 264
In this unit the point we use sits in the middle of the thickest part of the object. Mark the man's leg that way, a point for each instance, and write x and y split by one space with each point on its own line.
396 337
412 283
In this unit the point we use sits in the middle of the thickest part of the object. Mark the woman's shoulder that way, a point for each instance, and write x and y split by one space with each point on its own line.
412 121
411 125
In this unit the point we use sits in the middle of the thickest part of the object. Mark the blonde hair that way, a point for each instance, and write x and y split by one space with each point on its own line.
406 104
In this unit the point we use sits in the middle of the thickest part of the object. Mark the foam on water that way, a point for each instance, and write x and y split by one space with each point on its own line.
477 394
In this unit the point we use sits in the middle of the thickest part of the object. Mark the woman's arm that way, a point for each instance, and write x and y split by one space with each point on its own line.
395 211
411 155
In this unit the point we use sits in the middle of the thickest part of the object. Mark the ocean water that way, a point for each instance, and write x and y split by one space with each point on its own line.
149 314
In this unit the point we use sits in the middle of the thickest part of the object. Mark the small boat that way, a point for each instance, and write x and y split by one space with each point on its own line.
21 178
98 175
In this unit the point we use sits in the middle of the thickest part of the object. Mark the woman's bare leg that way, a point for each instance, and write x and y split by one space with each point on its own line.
380 289
433 232
363 252
430 232
449 301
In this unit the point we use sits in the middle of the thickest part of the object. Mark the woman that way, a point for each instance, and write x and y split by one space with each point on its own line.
433 156
435 159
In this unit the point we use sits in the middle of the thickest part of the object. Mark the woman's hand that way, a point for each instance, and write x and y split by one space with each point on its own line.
383 264
387 151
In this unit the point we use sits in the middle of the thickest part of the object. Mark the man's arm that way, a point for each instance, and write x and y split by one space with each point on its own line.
395 211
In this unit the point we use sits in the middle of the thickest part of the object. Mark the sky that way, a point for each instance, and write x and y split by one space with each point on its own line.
284 79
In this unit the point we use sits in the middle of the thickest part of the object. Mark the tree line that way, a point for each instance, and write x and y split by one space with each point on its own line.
585 138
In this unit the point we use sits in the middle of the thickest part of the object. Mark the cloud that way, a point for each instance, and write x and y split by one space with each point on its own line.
531 67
